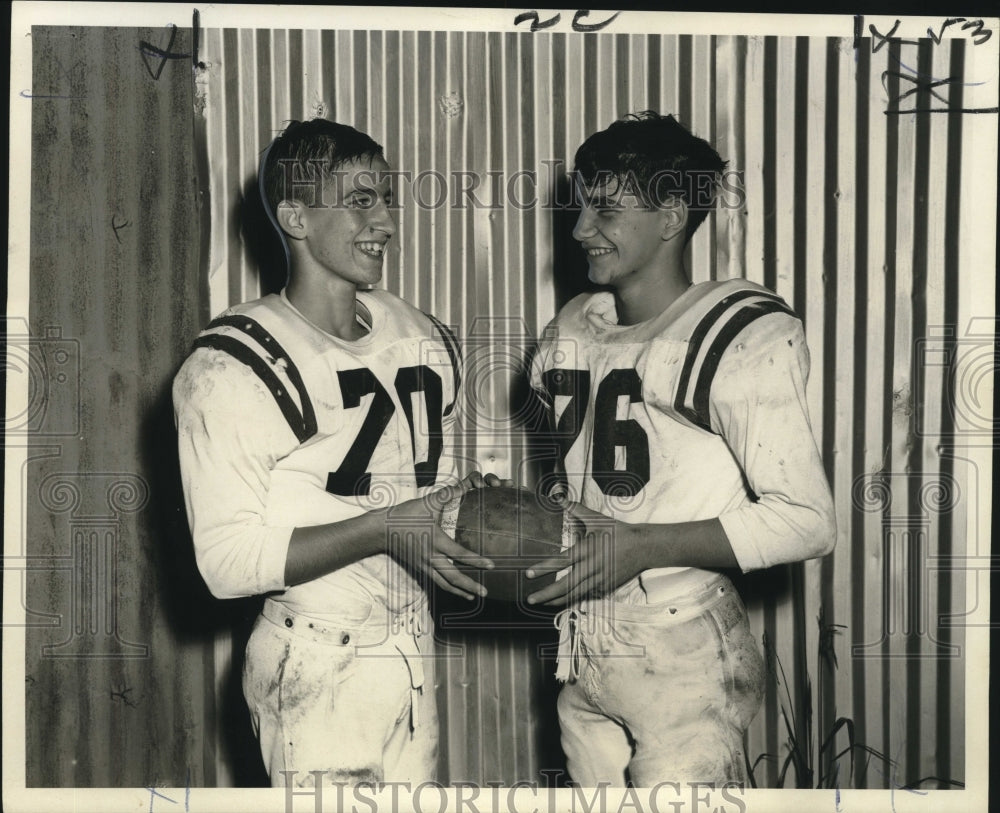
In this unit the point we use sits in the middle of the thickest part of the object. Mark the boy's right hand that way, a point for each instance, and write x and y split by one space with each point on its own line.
417 540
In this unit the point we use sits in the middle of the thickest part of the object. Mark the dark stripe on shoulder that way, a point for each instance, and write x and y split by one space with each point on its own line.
239 351
698 337
746 315
273 348
454 353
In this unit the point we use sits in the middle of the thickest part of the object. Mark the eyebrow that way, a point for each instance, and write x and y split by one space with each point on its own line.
372 181
604 199
383 188
600 196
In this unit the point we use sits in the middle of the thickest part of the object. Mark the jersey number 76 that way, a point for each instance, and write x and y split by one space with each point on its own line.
609 431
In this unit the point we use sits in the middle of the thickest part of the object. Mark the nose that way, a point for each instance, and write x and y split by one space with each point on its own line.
585 224
381 219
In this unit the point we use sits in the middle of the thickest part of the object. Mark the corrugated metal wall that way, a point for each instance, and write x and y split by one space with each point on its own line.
845 216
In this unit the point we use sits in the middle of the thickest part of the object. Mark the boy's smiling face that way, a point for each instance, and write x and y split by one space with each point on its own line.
621 235
349 233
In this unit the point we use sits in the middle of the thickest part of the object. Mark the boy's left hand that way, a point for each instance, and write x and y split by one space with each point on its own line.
606 553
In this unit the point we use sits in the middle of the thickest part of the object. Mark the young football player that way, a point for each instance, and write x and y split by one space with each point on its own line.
313 425
686 449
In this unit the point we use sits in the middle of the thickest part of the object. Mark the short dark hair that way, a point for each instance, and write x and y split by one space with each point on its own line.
654 157
304 145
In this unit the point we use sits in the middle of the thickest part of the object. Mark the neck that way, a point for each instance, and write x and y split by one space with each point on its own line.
330 304
639 300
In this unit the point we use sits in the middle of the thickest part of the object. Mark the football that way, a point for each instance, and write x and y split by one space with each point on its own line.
515 528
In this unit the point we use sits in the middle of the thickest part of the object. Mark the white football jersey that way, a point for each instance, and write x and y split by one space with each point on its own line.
282 425
695 414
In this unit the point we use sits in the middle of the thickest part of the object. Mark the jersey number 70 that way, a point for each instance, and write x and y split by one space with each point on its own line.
609 431
353 477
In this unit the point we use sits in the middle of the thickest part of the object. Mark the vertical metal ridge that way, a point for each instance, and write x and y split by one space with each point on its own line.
897 394
769 201
459 249
733 124
538 284
280 84
558 94
860 380
622 78
231 111
362 81
436 270
423 272
919 554
509 729
263 86
801 228
376 86
712 221
830 279
342 102
407 161
530 124
394 151
950 671
474 92
653 73
496 222
248 135
328 71
296 73
836 287
683 81
835 432
212 142
699 83
889 589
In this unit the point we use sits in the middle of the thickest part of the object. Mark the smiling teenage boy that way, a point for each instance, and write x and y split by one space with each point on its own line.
686 450
313 424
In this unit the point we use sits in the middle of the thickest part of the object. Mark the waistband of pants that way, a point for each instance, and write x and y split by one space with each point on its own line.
661 586
398 630
413 621
697 595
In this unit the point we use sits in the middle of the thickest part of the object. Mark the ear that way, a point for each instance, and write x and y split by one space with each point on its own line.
291 218
675 216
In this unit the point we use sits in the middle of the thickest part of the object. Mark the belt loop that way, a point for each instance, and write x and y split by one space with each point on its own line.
415 666
568 658
414 697
415 621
